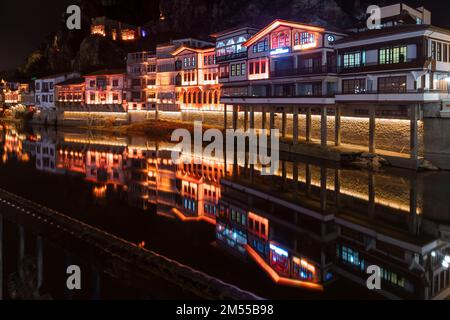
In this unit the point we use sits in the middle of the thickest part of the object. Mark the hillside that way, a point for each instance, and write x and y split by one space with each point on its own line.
167 19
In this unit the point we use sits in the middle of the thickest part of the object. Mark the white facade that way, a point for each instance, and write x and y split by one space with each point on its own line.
45 89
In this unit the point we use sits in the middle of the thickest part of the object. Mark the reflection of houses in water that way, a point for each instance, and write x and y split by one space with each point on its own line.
13 145
308 231
199 187
305 226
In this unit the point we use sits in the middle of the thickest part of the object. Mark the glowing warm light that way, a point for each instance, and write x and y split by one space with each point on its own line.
278 279
305 46
275 25
183 218
98 30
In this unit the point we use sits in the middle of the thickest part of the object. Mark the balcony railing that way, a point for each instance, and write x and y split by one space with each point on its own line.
323 69
232 56
406 64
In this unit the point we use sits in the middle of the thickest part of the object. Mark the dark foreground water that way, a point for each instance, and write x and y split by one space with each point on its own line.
309 232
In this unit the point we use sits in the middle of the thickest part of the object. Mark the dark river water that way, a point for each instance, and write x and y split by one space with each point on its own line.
308 232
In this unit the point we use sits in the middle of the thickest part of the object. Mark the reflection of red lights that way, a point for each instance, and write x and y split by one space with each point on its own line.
183 218
276 278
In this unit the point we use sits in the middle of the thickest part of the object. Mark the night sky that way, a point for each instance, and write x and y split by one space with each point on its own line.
25 24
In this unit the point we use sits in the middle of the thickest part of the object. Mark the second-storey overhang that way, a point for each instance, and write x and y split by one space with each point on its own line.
409 97
279 100
398 33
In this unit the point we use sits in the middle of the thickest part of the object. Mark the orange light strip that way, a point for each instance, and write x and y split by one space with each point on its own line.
183 218
276 278
275 25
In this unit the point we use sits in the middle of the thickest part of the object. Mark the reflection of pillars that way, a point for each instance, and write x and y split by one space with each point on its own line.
263 118
308 179
246 119
284 172
95 285
372 126
308 124
295 126
252 172
225 118
21 250
272 121
295 175
414 131
235 117
371 195
337 187
39 261
323 188
413 205
337 126
323 127
1 257
252 118
283 123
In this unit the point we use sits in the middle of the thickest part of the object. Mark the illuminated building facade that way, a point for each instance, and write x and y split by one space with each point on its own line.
167 74
317 85
106 91
197 79
141 81
14 93
45 93
71 94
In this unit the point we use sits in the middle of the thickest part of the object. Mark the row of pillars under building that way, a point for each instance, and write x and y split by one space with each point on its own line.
325 190
249 123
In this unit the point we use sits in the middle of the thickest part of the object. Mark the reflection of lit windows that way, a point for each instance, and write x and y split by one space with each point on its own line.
279 259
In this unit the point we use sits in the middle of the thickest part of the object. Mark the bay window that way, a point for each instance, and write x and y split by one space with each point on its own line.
352 59
353 86
391 55
281 40
392 84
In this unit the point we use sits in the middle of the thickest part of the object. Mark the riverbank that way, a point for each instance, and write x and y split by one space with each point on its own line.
160 129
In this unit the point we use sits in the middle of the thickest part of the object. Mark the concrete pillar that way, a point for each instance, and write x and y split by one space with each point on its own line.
337 126
337 186
246 119
323 188
414 131
235 117
413 205
284 124
372 124
308 124
263 119
308 179
295 175
295 127
323 127
252 118
272 121
225 118
371 195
